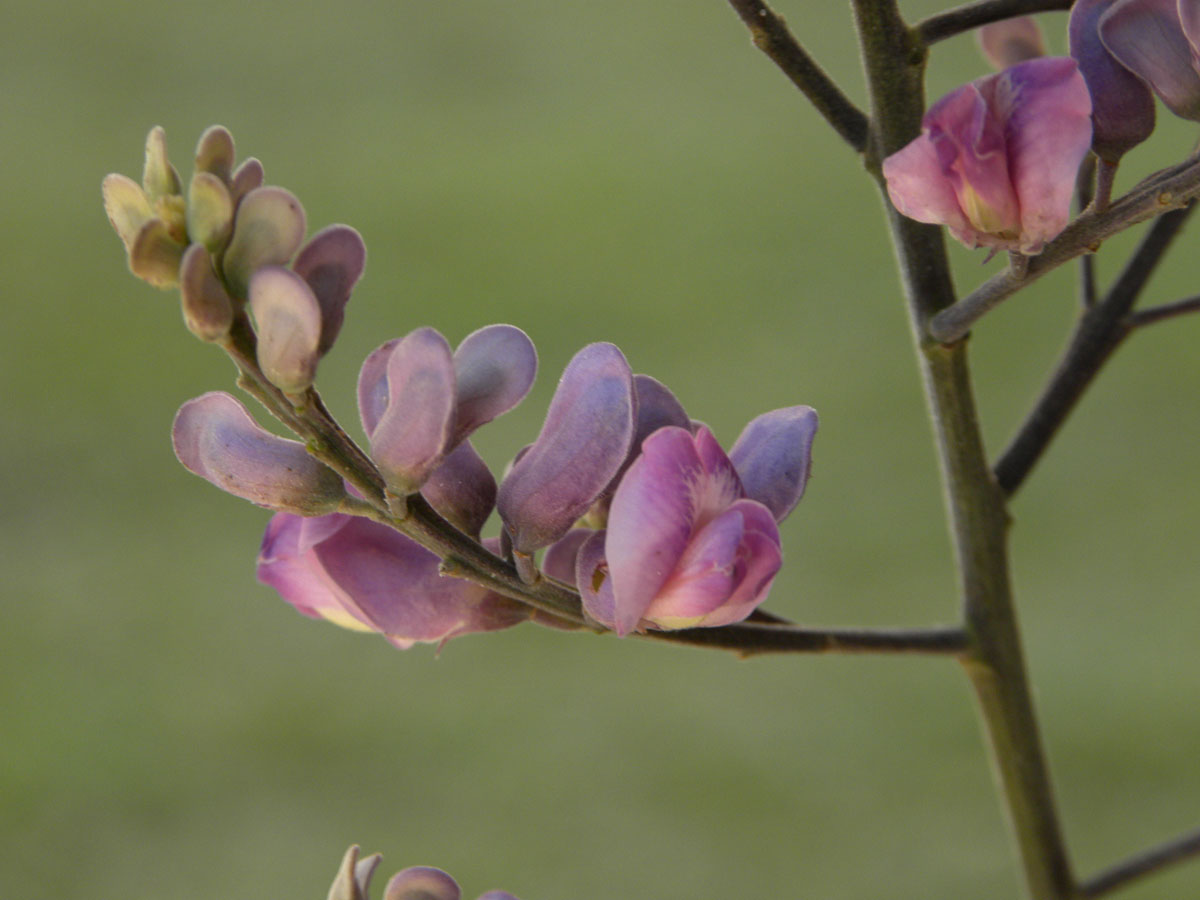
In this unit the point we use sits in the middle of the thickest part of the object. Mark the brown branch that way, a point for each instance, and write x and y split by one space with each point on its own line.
972 15
1179 850
771 35
1152 314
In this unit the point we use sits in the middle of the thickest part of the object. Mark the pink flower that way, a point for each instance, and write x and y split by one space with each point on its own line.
997 158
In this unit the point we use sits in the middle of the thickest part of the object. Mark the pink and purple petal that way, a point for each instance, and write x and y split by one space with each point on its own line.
462 489
920 190
582 444
331 263
215 438
288 321
414 431
773 457
495 367
1147 37
594 581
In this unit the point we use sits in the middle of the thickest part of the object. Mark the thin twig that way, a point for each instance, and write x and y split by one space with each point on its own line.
753 638
973 15
771 35
1152 314
1179 850
1097 334
1162 191
1085 183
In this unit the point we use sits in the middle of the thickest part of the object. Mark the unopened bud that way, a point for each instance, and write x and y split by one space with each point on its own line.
207 308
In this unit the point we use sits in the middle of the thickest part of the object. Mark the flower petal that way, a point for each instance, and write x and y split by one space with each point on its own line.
918 189
215 153
462 489
216 438
1147 37
414 431
495 367
773 457
207 309
266 232
583 442
422 883
288 321
1122 104
650 522
332 262
593 580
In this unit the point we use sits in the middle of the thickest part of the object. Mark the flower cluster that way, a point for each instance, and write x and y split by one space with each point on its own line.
997 159
353 882
627 496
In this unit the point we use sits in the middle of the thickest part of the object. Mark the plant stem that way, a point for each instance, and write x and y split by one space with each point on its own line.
1099 332
1162 313
1179 850
973 15
771 36
894 57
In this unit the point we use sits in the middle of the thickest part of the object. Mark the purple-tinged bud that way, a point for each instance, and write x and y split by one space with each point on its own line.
462 489
773 457
1011 41
494 368
413 432
207 308
1157 41
266 232
582 444
997 158
288 321
155 256
684 548
216 438
1122 105
367 577
247 177
209 211
353 881
127 207
159 178
215 153
422 883
331 263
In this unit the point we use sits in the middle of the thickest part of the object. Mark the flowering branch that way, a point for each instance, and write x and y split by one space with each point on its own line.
1146 863
973 15
978 518
771 35
1166 190
1099 331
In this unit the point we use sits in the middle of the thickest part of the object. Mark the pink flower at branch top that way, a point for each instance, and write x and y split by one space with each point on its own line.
997 158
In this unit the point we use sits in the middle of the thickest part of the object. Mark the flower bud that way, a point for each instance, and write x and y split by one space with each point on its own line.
331 263
1011 41
494 368
462 489
773 457
155 256
582 444
216 438
159 178
1122 105
209 211
411 435
288 322
268 228
207 308
422 883
353 881
215 153
1157 40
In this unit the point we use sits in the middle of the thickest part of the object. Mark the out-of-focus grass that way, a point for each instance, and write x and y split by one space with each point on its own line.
616 171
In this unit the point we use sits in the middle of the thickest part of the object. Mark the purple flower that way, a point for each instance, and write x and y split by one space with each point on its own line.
1158 40
686 544
997 158
1122 105
353 882
367 577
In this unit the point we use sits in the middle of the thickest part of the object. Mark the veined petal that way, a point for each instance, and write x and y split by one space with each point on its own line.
1146 36
650 522
1048 110
216 438
494 367
704 576
920 190
773 457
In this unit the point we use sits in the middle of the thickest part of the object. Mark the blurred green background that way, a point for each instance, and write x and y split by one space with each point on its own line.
624 171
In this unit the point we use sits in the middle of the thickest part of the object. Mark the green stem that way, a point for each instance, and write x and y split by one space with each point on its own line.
895 56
